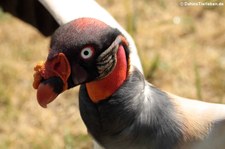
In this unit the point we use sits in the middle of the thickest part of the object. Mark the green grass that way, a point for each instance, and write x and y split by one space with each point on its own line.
72 141
131 17
154 65
197 82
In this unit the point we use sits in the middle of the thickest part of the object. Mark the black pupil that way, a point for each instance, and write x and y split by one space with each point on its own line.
86 53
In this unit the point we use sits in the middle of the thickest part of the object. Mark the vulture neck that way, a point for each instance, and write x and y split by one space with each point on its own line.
102 89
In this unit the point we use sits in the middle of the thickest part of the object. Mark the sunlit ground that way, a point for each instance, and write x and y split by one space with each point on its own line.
182 51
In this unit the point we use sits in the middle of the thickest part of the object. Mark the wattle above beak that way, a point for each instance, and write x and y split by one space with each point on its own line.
50 78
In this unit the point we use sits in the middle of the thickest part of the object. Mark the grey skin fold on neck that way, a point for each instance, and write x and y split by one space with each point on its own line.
137 116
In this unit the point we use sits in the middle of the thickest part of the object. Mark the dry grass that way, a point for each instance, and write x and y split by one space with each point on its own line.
184 46
182 50
23 123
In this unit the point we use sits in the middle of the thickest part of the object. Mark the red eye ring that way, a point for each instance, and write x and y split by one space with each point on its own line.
87 52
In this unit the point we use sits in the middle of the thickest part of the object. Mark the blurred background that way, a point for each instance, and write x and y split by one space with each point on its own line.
182 50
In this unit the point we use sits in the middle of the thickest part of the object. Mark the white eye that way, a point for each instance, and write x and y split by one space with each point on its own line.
87 52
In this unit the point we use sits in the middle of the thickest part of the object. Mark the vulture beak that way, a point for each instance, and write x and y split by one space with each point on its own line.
50 78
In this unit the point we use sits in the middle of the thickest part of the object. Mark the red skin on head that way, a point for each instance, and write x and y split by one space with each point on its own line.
101 89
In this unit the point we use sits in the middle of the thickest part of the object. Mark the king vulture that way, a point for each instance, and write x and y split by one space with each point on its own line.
120 109
47 15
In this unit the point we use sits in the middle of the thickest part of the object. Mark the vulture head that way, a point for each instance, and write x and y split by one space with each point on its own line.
84 51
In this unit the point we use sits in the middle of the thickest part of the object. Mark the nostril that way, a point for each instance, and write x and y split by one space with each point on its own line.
56 66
